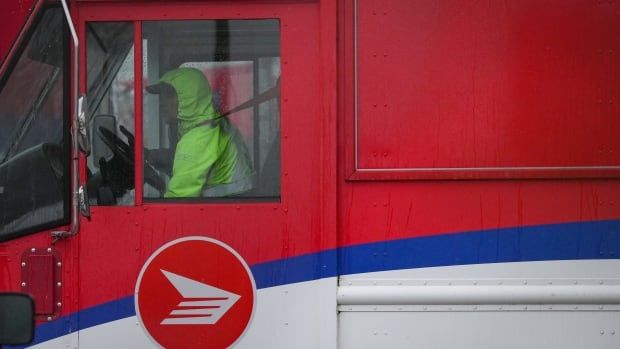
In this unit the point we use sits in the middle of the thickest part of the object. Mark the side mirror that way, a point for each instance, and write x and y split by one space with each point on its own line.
16 319
100 150
83 140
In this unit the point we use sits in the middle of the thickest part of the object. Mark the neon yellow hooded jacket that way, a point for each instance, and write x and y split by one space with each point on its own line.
210 160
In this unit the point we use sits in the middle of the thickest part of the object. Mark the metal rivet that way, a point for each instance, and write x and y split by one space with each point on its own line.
59 304
23 264
59 284
49 318
33 250
613 332
49 249
59 264
23 284
602 333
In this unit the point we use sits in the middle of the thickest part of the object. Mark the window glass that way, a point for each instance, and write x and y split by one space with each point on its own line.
110 85
211 109
34 148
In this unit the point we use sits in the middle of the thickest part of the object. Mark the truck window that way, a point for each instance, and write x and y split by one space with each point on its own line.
34 131
196 72
110 86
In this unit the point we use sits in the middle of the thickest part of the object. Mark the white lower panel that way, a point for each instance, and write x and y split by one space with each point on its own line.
301 315
476 330
501 305
64 342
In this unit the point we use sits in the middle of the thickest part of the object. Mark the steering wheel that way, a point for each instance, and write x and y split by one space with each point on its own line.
125 153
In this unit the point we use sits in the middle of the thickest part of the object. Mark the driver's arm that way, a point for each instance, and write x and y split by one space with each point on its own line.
196 152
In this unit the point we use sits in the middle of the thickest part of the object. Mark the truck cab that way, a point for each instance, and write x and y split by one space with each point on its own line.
313 174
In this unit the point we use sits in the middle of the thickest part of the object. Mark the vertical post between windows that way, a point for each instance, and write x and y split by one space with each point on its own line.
138 147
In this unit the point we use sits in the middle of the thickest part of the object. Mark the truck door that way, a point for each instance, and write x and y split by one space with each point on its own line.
169 167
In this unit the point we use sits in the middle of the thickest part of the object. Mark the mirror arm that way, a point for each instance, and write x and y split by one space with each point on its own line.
79 200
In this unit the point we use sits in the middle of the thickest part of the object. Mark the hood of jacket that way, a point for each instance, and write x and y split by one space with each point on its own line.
195 97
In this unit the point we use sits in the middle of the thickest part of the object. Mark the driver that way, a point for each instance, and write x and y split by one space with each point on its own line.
211 159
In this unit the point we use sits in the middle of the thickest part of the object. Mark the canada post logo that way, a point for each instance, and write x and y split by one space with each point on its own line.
195 292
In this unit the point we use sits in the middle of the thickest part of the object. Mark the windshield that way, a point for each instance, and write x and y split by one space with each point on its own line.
34 125
30 101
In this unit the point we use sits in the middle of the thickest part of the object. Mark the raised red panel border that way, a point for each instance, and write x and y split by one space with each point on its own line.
347 80
485 173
